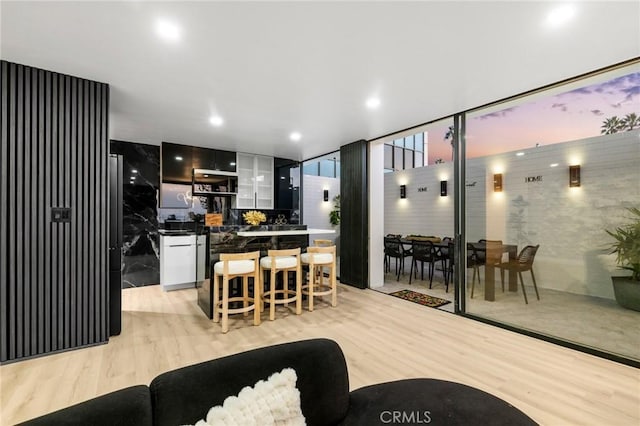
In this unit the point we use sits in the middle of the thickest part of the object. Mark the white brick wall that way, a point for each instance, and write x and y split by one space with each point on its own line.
568 223
315 209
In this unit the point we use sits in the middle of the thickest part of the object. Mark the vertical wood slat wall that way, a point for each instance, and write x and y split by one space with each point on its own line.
354 215
53 153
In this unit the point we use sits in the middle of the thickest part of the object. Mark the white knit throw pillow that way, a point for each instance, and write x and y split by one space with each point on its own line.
275 401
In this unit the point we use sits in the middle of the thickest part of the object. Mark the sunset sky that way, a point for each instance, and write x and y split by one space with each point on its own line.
576 114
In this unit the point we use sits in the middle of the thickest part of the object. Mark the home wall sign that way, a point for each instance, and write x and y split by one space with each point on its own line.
422 189
530 179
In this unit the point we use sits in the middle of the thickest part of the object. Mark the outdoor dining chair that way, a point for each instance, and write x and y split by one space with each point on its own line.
423 251
393 248
524 262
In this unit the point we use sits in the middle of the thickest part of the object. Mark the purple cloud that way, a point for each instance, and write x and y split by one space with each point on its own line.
631 92
578 91
497 114
597 112
563 107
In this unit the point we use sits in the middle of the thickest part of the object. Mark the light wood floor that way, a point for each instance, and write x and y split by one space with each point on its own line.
384 338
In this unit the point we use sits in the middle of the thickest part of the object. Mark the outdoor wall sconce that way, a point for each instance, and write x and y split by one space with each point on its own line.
403 191
326 195
574 176
497 182
443 188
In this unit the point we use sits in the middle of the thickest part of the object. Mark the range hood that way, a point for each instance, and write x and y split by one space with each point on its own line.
214 182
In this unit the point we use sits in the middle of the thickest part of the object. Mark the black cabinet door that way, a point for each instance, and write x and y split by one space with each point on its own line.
204 158
214 159
225 160
177 163
284 190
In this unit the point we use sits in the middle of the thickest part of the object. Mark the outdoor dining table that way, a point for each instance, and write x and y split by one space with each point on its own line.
489 270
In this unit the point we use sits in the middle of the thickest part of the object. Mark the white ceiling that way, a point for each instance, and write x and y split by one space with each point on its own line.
270 68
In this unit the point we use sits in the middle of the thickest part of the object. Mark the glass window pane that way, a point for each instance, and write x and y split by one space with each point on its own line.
398 142
310 169
519 194
388 157
408 142
419 159
398 158
408 159
419 142
327 168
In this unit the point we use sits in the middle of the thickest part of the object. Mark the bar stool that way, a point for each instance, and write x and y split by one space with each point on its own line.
321 243
284 261
320 257
232 265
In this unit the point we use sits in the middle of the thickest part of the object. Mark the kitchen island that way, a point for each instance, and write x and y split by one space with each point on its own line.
246 238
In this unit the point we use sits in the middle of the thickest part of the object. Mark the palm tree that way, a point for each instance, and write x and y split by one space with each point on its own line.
611 125
630 121
449 135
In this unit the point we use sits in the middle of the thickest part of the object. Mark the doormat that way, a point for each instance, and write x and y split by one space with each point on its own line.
422 299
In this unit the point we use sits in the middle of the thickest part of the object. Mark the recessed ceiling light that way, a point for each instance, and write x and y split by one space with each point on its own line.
373 102
178 158
206 175
167 30
520 154
553 165
216 120
295 136
560 15
134 171
233 163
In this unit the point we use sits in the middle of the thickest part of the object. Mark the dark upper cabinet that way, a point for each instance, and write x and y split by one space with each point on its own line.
214 159
225 160
178 161
286 195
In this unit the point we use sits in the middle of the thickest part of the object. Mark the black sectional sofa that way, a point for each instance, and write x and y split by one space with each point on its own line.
184 396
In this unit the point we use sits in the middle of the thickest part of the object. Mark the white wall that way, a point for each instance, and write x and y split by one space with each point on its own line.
568 223
376 214
425 213
315 209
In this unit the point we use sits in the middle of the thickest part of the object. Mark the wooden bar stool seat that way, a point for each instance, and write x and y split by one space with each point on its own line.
319 258
284 261
233 265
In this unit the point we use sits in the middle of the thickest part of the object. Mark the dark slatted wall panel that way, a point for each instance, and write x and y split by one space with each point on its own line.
354 215
53 276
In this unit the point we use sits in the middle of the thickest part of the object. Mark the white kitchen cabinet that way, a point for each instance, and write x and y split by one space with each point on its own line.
177 261
255 182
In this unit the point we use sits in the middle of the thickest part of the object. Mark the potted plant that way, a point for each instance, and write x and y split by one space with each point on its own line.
334 215
627 250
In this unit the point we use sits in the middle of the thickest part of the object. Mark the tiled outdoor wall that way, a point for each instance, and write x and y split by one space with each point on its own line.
315 210
536 206
424 211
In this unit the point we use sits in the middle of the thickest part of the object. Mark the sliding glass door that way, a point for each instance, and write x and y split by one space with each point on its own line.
546 175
